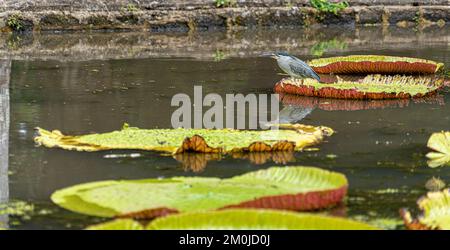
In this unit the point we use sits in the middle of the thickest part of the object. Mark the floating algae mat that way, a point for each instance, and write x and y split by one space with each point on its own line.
287 188
373 64
435 207
440 143
239 219
370 87
288 137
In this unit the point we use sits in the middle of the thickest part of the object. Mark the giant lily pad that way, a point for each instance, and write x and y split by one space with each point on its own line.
436 212
289 188
287 138
240 219
372 64
371 87
440 143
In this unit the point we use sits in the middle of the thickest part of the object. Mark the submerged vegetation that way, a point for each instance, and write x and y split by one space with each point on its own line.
239 219
287 188
321 47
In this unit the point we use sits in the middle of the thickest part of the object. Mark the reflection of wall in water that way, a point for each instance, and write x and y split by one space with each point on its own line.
5 67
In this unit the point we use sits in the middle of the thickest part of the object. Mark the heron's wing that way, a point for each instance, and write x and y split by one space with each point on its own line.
300 67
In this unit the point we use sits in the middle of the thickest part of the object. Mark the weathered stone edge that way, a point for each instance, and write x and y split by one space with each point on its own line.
224 18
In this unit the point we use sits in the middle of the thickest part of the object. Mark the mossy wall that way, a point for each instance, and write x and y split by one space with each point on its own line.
172 15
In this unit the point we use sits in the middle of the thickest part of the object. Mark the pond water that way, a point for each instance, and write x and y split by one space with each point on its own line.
94 82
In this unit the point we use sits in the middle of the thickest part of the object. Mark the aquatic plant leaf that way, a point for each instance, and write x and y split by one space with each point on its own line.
242 219
435 207
239 219
288 137
371 87
372 64
440 143
118 224
288 188
16 208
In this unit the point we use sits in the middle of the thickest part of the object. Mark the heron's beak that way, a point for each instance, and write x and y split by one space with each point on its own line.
269 54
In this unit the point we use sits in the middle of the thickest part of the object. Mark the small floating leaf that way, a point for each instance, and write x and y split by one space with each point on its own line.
435 207
16 208
287 138
245 219
371 87
440 143
435 184
289 188
372 64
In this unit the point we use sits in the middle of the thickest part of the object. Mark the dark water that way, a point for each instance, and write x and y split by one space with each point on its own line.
381 150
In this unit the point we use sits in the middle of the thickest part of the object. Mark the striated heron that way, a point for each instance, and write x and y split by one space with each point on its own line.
293 66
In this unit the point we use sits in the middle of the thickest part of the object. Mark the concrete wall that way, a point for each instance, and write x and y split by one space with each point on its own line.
5 69
171 15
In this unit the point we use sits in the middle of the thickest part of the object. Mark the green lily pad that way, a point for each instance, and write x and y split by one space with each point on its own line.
289 188
370 87
118 224
435 207
370 64
244 219
440 143
287 138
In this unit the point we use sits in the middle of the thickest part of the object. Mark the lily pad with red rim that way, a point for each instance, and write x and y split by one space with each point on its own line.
285 188
370 87
374 64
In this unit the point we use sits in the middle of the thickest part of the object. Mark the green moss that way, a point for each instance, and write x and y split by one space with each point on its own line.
225 3
98 20
129 8
327 6
17 23
219 56
59 20
376 84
